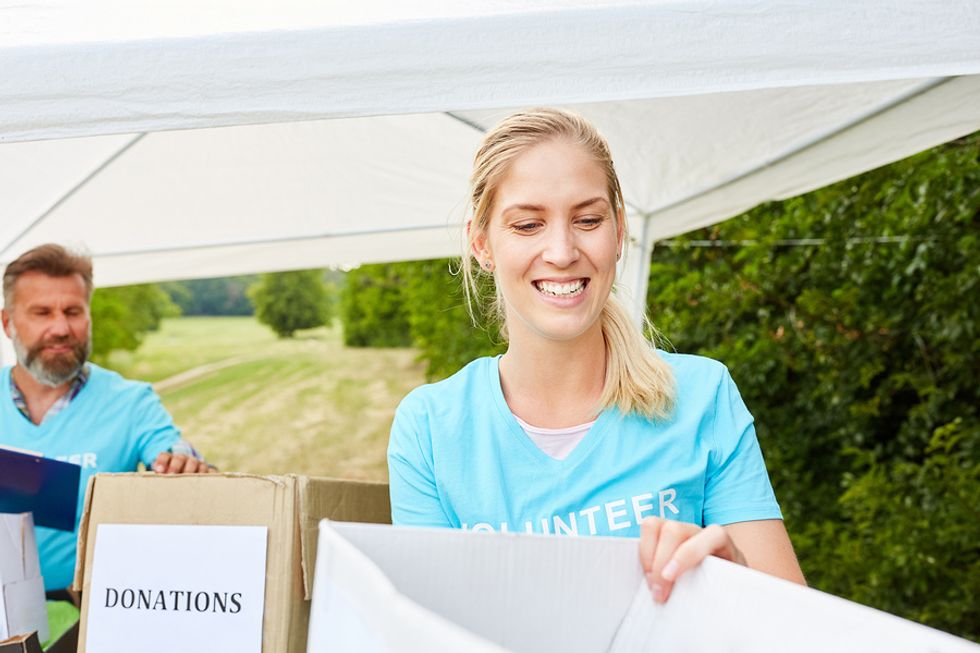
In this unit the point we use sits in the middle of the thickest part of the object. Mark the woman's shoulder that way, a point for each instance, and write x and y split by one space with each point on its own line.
703 384
453 390
691 367
697 379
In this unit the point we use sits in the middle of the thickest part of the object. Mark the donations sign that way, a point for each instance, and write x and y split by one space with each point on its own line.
161 587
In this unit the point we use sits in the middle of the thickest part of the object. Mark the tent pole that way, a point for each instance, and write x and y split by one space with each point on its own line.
634 274
71 192
7 355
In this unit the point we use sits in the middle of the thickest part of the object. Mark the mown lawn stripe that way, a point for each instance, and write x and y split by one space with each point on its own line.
307 405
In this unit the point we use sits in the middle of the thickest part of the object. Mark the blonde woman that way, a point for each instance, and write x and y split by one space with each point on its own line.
582 427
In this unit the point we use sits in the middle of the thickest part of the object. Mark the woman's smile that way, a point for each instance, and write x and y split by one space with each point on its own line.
564 294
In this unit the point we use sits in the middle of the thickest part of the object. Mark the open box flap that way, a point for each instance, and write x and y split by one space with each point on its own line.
339 500
522 592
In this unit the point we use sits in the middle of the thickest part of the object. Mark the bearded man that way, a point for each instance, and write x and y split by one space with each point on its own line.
55 403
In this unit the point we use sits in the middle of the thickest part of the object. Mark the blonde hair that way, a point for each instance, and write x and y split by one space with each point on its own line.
637 379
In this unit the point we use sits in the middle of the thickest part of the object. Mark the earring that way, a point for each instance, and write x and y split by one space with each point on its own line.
488 265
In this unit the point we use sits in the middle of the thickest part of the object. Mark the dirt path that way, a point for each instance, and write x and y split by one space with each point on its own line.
197 372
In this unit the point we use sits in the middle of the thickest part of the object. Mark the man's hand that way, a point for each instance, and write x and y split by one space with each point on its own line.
168 463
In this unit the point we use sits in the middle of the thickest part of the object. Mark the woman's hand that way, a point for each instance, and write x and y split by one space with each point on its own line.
669 548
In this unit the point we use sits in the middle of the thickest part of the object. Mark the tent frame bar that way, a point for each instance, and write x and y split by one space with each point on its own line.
71 191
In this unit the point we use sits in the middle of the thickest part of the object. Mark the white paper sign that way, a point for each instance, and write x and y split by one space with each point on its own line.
22 607
158 588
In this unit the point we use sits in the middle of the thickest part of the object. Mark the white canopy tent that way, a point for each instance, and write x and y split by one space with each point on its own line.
224 137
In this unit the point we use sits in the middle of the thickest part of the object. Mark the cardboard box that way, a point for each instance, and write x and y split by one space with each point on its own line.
21 644
67 643
407 590
22 605
289 506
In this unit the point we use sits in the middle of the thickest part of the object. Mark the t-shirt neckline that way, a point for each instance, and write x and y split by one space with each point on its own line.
516 432
40 430
567 430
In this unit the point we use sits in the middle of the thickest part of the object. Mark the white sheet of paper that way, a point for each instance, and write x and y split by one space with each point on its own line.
22 606
159 588
25 608
18 551
4 631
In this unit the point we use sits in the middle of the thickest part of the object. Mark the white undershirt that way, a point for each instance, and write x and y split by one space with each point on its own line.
557 443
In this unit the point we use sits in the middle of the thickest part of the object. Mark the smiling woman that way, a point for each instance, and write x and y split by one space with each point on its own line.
582 427
552 169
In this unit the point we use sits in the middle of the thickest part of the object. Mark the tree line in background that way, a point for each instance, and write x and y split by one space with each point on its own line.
223 296
284 301
849 318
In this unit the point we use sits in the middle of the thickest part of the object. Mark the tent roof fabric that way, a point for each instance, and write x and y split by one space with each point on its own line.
182 140
109 66
220 201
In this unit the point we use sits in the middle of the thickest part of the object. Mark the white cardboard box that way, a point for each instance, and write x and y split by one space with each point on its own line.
381 588
22 604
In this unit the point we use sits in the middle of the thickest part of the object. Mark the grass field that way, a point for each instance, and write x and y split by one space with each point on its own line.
253 403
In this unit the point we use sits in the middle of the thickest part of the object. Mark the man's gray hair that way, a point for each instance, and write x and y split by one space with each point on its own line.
50 259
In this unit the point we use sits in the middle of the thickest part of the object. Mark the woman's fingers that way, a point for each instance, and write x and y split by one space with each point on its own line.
712 540
659 539
669 548
649 532
672 535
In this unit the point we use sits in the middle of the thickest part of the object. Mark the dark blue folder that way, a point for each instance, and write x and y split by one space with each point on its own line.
48 488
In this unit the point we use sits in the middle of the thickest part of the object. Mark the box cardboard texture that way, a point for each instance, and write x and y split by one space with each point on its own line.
290 506
21 644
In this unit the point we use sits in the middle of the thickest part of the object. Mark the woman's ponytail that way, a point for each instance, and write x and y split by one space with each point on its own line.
637 379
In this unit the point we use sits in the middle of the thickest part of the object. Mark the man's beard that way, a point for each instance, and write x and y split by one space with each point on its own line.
58 369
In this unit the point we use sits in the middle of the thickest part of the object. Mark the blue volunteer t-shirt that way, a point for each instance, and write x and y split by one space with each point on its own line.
458 458
110 426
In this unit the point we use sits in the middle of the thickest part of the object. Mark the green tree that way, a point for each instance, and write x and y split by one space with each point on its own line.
289 301
439 320
372 307
418 303
857 353
910 541
122 316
